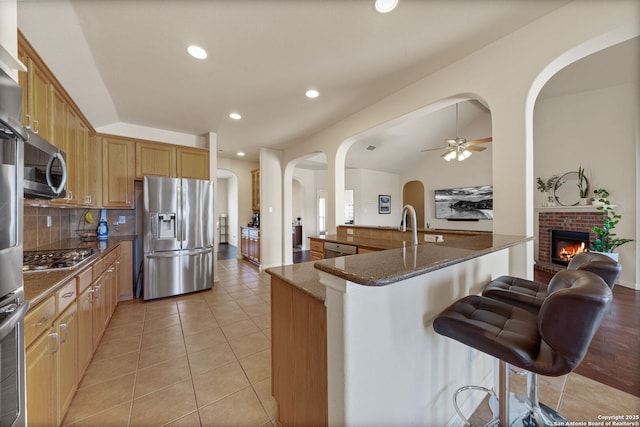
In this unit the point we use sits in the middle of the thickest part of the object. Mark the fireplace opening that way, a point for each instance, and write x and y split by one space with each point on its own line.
566 244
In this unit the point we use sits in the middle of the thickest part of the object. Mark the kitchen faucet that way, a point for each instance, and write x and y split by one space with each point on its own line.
414 225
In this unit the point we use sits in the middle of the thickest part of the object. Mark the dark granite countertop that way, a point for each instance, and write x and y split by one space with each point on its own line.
303 276
38 285
368 242
390 266
393 265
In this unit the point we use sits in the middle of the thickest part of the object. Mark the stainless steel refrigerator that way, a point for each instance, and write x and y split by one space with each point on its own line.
178 236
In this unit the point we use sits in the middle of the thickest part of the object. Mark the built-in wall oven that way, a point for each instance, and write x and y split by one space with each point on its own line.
12 304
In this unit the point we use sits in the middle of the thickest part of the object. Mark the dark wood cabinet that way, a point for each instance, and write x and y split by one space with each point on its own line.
296 236
250 244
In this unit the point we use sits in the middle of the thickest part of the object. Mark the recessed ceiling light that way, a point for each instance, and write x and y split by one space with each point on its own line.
312 93
240 153
384 6
235 116
197 52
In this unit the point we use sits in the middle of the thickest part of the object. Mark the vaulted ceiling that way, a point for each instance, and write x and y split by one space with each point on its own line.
125 61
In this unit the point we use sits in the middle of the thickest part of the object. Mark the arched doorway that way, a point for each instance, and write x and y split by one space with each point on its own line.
413 194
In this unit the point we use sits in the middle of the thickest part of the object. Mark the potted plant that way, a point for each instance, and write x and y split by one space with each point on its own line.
583 186
606 241
544 187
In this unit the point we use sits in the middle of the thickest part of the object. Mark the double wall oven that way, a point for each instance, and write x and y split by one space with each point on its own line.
13 307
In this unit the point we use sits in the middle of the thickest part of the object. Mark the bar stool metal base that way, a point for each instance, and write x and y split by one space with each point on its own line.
493 405
512 409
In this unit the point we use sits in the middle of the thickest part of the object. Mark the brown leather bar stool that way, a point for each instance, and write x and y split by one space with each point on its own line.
551 342
529 295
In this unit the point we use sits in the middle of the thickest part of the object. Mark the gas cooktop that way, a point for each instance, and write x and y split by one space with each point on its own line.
56 259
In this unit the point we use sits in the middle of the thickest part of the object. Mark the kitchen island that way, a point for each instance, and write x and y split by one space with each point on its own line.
352 337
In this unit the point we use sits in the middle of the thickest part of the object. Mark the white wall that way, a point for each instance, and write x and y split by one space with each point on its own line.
367 186
437 174
307 204
598 131
508 80
242 171
271 209
232 207
8 34
154 134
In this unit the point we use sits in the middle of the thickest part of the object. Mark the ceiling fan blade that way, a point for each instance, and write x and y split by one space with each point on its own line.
480 141
433 149
447 151
474 148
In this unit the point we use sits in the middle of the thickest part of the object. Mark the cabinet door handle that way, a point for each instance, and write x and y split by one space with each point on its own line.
97 289
28 124
41 321
68 294
63 337
54 337
92 294
36 126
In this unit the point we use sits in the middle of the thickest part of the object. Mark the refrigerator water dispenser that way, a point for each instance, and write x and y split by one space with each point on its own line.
166 226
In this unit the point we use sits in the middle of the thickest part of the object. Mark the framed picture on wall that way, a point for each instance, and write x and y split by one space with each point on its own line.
384 204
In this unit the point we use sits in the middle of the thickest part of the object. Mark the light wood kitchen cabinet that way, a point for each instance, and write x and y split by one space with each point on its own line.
85 321
192 163
255 190
125 271
82 170
99 319
58 120
67 327
39 106
155 159
41 379
118 172
94 173
298 356
60 138
316 250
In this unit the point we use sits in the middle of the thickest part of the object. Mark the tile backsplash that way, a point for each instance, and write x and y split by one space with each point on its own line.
44 226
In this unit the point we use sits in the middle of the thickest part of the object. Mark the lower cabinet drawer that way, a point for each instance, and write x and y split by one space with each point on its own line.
39 320
66 295
317 246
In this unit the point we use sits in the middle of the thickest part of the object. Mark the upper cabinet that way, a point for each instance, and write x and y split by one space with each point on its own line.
49 111
118 171
101 169
39 103
161 159
155 159
193 163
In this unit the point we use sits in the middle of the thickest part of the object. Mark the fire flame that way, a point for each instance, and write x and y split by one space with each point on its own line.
567 253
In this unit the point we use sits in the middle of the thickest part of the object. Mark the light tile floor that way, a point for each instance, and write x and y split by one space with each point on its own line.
198 359
204 359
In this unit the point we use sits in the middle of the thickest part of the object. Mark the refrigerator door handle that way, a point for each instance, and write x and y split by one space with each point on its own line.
173 254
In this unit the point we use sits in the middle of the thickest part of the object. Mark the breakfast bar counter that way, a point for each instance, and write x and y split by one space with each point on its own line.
352 337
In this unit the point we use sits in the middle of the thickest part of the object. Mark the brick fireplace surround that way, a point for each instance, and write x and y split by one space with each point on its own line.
571 219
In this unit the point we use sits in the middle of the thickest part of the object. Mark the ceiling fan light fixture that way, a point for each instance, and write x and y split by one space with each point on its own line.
450 156
464 154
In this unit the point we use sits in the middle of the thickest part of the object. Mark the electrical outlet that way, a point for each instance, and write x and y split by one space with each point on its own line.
122 219
430 238
349 230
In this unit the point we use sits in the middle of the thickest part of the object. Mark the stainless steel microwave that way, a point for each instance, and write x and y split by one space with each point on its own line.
45 169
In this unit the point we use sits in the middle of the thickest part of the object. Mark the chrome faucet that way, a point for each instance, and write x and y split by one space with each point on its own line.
414 226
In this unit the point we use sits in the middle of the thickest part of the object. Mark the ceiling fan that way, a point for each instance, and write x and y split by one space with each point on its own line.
459 148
